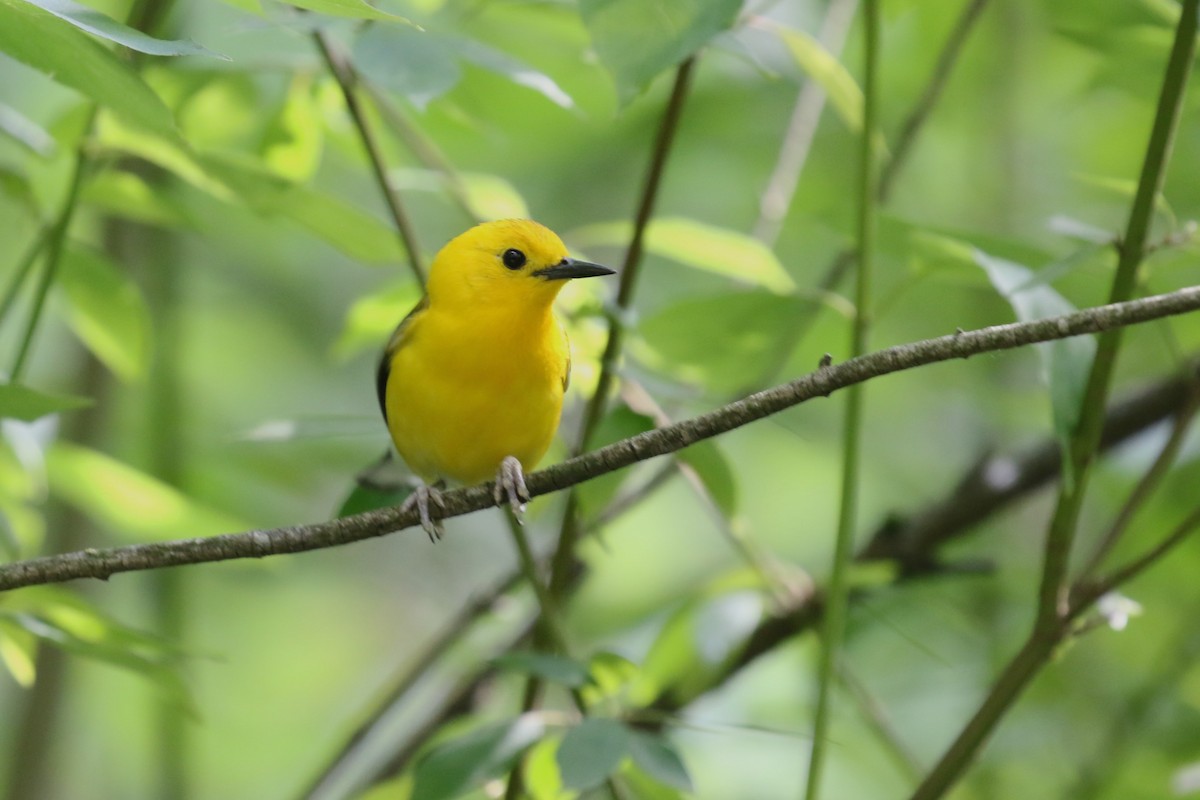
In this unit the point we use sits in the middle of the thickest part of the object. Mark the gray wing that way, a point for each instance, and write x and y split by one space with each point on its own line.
394 344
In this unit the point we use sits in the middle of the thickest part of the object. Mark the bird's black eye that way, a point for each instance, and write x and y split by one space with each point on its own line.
513 258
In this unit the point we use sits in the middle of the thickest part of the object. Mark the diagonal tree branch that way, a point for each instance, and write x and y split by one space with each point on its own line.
101 563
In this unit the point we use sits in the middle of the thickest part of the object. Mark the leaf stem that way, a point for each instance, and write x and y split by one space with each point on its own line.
837 598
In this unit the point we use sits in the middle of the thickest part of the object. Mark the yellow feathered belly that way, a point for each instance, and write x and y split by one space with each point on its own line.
455 412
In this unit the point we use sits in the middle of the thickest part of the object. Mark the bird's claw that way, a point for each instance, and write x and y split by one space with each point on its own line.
420 499
510 487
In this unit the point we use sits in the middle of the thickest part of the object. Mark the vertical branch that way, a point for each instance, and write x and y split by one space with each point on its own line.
21 273
834 622
346 79
1081 448
1054 609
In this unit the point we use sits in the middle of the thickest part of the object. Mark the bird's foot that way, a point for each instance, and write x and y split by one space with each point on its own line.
510 487
420 499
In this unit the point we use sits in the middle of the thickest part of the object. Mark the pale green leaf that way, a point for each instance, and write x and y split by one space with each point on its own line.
1065 362
373 317
23 403
512 68
43 41
133 505
25 131
829 73
294 137
591 751
107 311
127 195
715 472
18 649
351 230
354 9
721 341
638 39
92 21
410 62
698 245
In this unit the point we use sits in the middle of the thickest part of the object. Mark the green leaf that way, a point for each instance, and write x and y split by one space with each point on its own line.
547 666
410 62
373 317
368 498
353 9
106 311
92 21
1065 362
351 230
701 246
715 473
659 760
70 623
487 196
514 69
39 39
824 68
721 341
134 505
638 39
25 132
23 403
591 751
127 195
18 651
294 138
469 760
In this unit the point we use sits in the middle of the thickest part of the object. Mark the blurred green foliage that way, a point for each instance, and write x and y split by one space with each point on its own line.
222 157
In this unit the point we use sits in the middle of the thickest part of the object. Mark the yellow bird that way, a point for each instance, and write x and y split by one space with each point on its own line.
471 383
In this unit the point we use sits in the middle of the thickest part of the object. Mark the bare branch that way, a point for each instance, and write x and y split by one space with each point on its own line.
101 563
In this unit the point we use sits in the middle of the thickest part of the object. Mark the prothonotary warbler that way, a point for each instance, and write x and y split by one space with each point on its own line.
471 383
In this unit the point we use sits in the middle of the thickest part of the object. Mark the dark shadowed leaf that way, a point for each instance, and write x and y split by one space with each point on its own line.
659 760
591 751
469 760
556 669
23 403
715 473
638 39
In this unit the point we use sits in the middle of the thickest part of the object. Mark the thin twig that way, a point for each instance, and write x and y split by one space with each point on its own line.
1092 591
103 563
343 72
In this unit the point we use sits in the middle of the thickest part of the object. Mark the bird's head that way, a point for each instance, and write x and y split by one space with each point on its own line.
514 263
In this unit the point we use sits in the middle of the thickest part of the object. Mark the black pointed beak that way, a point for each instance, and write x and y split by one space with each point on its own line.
571 268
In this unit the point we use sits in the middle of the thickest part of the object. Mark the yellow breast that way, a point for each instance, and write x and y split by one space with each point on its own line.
465 391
